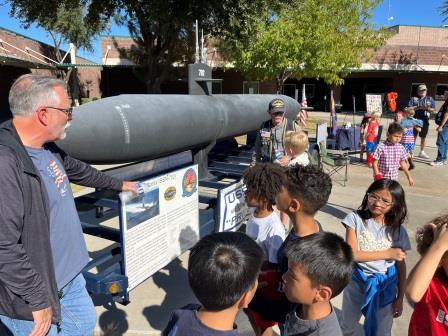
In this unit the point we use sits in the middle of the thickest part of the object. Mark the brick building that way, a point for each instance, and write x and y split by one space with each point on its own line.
411 56
20 55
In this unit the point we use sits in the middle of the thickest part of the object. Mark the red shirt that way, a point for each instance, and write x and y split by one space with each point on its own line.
430 316
372 131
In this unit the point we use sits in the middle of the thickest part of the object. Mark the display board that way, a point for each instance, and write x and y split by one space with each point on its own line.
374 103
160 223
233 211
321 132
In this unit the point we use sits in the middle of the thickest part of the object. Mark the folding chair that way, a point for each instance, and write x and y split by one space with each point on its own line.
313 156
334 162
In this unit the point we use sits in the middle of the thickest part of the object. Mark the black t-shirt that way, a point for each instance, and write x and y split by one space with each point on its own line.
185 322
281 254
276 310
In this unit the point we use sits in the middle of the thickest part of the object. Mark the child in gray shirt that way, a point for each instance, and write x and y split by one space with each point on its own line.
319 268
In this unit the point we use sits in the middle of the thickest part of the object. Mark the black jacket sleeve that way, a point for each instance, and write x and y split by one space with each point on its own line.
16 271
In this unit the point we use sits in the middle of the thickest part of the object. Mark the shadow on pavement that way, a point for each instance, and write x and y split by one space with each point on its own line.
112 322
173 279
332 209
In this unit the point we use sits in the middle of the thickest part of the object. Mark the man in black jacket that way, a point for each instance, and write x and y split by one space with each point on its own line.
42 248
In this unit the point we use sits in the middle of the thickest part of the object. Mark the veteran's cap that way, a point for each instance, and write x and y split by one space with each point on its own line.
277 105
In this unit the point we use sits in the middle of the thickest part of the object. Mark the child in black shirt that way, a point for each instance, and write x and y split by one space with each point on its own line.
222 271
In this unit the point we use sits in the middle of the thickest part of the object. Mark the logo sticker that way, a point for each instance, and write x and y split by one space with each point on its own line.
189 183
169 193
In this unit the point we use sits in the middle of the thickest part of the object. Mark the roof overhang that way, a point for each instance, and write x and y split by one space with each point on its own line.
20 63
377 67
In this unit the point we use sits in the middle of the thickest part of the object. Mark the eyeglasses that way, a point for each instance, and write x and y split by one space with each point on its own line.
67 111
375 198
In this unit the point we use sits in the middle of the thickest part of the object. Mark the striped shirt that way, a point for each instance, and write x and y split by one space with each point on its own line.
389 156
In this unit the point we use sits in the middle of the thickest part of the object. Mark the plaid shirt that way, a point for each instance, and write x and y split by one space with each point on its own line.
389 156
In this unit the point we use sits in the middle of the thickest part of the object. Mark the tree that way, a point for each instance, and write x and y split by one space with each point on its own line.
164 33
311 38
162 29
65 22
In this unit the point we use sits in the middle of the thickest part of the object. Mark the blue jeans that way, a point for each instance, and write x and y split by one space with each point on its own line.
442 144
78 314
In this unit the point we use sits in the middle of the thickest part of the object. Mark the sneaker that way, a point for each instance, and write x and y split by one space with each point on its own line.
423 155
436 163
445 162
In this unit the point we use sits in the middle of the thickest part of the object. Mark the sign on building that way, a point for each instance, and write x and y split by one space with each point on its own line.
374 103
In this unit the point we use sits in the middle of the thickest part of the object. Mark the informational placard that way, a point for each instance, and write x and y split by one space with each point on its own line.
374 103
233 211
321 132
160 223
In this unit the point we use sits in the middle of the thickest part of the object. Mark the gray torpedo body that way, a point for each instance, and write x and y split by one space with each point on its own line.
128 128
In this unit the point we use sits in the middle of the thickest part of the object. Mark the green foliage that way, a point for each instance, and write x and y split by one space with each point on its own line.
310 38
66 21
164 30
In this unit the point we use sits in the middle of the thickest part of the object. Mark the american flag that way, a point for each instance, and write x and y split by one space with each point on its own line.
303 113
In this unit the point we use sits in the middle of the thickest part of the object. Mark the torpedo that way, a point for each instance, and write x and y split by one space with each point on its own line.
137 127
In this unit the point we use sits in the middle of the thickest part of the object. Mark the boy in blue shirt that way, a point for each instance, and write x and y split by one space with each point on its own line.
222 271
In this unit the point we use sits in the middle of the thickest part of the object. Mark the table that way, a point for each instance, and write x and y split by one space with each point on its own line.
348 138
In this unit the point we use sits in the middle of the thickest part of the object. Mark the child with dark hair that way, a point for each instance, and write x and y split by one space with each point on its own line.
379 241
390 155
362 139
222 272
305 190
263 182
320 266
427 285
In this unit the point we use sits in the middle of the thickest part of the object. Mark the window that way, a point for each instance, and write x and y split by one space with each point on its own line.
251 87
289 90
309 90
440 89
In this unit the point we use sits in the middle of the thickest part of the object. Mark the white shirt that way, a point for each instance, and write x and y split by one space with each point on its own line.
268 233
301 159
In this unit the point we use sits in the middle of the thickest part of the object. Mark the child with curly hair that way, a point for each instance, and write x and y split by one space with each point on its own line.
263 182
427 285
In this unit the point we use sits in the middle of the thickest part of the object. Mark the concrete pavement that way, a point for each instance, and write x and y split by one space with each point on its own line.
152 302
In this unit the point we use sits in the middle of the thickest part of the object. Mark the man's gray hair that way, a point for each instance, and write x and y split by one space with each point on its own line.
31 91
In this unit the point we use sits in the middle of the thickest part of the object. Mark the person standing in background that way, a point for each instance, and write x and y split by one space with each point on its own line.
423 106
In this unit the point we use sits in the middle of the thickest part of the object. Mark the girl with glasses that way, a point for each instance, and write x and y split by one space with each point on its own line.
376 234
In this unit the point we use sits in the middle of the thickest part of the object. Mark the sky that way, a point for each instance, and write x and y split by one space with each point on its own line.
388 13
